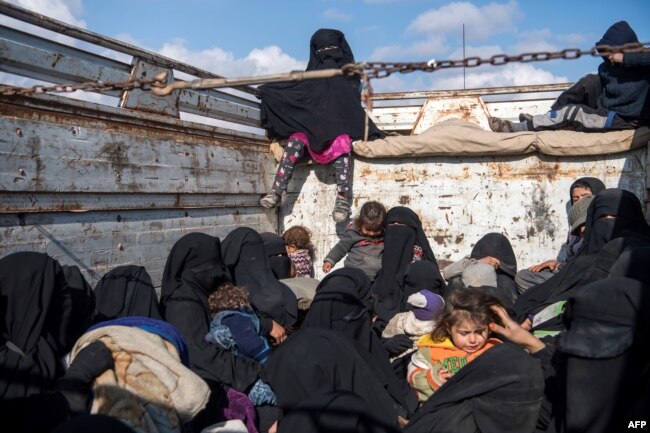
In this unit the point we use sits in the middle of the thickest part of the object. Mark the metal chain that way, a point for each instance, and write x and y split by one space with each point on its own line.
90 86
384 69
364 70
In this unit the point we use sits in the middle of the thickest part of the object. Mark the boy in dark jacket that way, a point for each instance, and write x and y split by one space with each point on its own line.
616 98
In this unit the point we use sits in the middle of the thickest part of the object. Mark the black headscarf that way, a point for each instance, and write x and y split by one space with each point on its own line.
498 246
422 275
126 291
276 251
633 263
314 361
605 373
336 411
193 271
41 316
245 257
343 302
403 231
499 392
576 273
321 108
629 221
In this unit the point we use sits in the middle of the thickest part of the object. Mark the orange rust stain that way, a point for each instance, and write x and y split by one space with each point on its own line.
404 199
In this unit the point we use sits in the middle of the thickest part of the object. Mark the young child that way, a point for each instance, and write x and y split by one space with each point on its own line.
362 242
461 334
235 326
426 307
300 251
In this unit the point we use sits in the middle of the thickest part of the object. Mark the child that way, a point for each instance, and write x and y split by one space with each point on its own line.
235 326
321 117
426 307
461 334
300 251
362 242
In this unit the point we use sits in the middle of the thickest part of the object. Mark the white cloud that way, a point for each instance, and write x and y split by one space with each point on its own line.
259 61
480 22
336 15
513 74
68 11
430 47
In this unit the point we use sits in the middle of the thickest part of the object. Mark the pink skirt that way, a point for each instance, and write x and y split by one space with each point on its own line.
341 145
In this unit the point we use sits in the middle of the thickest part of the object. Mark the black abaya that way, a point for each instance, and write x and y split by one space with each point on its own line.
126 291
276 251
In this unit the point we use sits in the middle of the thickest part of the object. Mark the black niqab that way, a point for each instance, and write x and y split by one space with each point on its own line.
276 251
245 257
126 291
314 361
193 271
321 108
423 275
605 371
42 317
628 221
343 302
499 392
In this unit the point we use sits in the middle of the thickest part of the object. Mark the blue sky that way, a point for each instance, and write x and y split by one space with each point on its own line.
241 38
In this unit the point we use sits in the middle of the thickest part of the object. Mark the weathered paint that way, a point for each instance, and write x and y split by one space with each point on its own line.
459 199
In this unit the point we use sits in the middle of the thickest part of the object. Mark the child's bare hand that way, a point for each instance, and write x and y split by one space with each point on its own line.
444 375
278 333
490 261
327 266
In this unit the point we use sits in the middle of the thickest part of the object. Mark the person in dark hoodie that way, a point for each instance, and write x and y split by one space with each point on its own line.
616 98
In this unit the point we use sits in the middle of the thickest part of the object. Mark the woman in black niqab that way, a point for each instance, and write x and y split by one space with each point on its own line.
245 258
194 270
322 116
126 291
315 361
276 251
498 246
403 236
344 302
613 213
42 316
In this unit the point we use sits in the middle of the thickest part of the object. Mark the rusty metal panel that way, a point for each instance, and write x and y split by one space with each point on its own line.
100 241
104 157
144 100
510 109
467 108
395 118
220 105
459 199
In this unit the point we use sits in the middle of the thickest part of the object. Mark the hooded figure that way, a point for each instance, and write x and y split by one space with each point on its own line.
42 313
126 291
613 213
404 235
194 270
498 246
246 260
276 251
321 108
343 302
625 85
313 362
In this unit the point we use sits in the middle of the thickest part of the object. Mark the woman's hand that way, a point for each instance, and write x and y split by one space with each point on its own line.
490 261
549 264
515 332
278 333
327 266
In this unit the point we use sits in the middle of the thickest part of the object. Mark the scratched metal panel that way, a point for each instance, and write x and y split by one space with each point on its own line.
459 199
511 109
395 118
96 156
100 241
467 108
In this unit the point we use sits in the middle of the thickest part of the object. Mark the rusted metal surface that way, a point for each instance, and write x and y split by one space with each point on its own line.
459 199
143 99
100 241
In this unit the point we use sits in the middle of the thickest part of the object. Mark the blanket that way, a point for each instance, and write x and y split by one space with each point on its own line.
149 388
459 138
